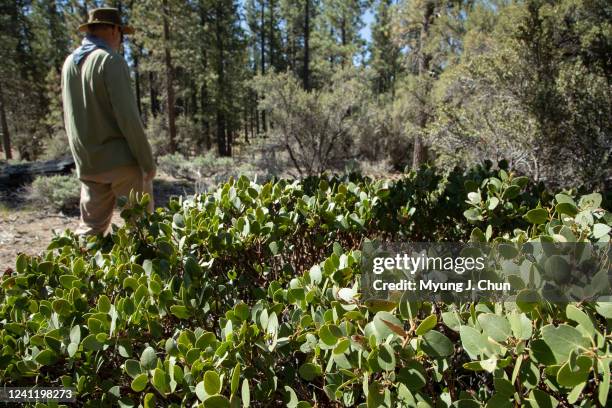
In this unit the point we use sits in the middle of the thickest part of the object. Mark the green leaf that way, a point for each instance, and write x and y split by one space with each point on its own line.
67 280
511 192
242 312
91 343
540 399
381 329
562 340
22 263
180 311
426 325
291 396
330 334
536 216
161 381
216 401
499 401
567 209
46 357
212 382
413 375
178 220
604 384
62 307
521 326
604 309
132 367
139 383
245 393
148 358
474 342
386 357
570 375
496 327
473 214
149 400
235 379
435 344
72 349
310 371
564 198
577 315
192 267
559 268
104 304
75 334
200 391
489 364
504 387
600 230
342 346
590 201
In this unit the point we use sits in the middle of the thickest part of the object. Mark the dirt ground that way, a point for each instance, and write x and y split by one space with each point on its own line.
25 228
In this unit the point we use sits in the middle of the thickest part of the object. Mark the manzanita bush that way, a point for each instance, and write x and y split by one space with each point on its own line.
249 296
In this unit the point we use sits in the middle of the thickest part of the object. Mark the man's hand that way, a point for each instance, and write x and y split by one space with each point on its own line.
149 175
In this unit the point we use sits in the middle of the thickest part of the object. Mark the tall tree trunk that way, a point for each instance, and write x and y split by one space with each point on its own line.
253 114
135 57
343 39
204 98
419 153
221 143
169 79
271 36
263 56
306 74
204 115
153 95
246 125
220 114
230 140
6 139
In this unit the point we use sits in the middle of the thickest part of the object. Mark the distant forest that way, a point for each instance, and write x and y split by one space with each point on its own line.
442 82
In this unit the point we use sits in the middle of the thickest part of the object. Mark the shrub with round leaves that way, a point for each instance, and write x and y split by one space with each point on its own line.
249 296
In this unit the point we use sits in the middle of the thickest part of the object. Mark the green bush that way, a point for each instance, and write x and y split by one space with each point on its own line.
248 295
56 192
206 170
56 146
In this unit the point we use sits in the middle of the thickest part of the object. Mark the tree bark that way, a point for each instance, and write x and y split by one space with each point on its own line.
306 74
137 78
220 114
419 153
263 57
271 35
153 95
169 79
343 39
6 139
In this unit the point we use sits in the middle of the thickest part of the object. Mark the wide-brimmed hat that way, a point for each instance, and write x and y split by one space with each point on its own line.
106 15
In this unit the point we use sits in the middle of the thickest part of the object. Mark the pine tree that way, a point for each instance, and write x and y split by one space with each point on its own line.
432 32
336 39
385 55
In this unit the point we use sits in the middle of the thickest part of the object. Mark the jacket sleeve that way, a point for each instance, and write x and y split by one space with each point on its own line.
123 101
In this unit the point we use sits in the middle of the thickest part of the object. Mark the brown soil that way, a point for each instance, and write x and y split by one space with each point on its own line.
27 229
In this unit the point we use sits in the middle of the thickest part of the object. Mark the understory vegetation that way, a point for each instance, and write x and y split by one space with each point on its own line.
249 295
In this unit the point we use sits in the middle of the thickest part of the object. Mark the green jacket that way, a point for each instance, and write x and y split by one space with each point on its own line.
101 115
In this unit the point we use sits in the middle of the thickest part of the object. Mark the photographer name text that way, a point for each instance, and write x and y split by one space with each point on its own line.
423 285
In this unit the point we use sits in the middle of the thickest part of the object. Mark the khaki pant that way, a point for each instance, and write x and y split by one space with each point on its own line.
99 193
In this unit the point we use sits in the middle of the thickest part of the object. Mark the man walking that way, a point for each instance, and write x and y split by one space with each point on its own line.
106 135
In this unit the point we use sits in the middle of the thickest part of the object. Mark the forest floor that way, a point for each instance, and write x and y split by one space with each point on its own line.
27 229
